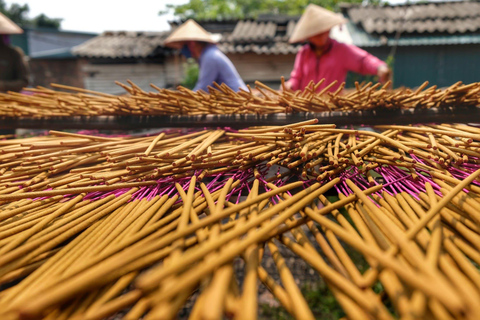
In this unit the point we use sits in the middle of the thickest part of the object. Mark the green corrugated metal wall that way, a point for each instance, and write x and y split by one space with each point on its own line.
440 65
20 40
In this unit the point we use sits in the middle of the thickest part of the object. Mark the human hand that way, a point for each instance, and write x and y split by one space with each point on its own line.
384 73
287 86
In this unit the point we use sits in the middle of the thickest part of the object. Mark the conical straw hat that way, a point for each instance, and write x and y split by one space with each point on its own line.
313 21
7 26
189 31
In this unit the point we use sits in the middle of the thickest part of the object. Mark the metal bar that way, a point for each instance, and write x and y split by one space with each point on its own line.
368 117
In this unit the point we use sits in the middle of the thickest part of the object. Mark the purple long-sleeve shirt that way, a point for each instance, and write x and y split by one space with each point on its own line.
333 64
215 66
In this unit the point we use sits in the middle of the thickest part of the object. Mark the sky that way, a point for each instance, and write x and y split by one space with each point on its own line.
104 15
98 16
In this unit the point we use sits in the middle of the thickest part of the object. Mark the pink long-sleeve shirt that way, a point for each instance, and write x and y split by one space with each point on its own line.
331 65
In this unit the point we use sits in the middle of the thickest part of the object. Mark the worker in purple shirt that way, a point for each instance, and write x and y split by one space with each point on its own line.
196 42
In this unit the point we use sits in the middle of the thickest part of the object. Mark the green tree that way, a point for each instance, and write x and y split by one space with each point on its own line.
191 73
241 9
18 14
43 21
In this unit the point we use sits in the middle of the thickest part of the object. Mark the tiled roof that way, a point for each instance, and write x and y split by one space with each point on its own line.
253 31
267 35
437 23
260 36
121 44
212 25
432 17
271 48
363 39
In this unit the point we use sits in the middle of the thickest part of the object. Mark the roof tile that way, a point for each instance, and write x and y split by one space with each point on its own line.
121 45
438 17
435 23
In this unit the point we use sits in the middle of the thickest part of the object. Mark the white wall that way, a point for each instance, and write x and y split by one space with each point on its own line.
102 77
262 67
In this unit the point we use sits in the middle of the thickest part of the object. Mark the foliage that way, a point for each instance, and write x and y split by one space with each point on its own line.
241 9
43 21
191 73
18 14
277 313
390 61
353 77
320 300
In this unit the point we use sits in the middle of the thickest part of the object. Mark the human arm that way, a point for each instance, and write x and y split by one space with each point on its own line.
297 73
360 61
207 74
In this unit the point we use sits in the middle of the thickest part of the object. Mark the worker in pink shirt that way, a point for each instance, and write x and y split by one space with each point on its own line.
324 57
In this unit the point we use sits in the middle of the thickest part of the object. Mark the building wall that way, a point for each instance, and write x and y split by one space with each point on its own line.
264 68
43 72
251 66
174 71
102 77
21 41
441 65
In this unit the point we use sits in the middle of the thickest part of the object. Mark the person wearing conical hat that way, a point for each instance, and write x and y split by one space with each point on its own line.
13 67
196 42
323 57
13 70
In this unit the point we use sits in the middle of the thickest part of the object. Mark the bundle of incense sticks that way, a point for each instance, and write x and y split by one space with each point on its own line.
221 99
92 227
